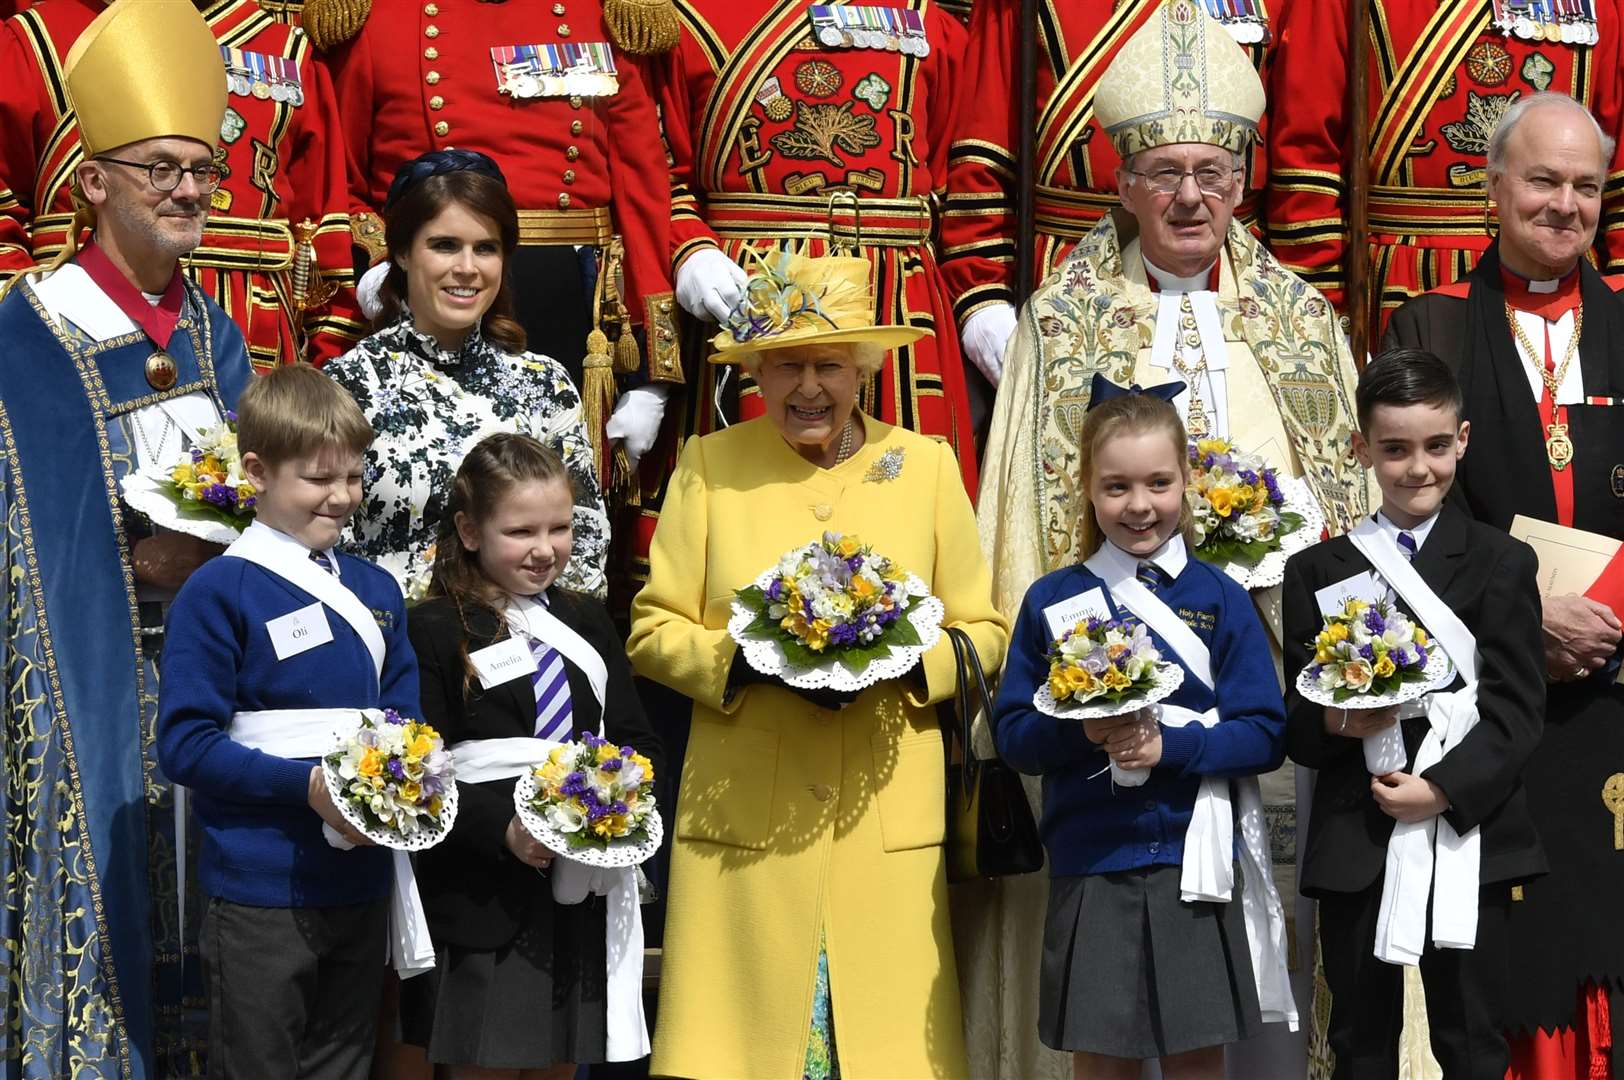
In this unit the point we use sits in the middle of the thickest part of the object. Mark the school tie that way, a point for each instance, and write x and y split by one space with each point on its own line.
555 719
1152 576
322 561
1406 544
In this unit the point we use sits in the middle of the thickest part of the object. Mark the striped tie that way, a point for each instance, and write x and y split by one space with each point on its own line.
554 717
321 560
1406 544
1151 576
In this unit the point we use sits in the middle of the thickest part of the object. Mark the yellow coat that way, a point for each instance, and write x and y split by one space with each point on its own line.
792 819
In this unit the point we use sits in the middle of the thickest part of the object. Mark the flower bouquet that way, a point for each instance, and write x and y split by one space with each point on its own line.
204 494
1370 655
834 614
1106 667
1248 519
592 802
393 781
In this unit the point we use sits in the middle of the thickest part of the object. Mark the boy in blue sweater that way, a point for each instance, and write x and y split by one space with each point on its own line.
267 647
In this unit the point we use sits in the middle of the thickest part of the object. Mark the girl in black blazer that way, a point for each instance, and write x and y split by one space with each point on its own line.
520 984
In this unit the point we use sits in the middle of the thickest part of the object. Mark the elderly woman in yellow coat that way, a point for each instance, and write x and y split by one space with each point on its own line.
808 917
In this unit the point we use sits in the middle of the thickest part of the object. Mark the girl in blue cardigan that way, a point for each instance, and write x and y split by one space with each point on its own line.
1130 969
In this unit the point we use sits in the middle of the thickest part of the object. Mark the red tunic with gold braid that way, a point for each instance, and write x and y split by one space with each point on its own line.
420 77
281 161
1441 74
1076 163
766 125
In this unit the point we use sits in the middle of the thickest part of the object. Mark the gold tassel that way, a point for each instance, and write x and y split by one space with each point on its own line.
330 23
84 217
640 27
598 400
627 356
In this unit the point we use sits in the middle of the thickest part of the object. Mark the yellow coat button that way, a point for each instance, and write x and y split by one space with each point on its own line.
431 10
572 153
442 128
576 127
431 53
432 78
558 9
436 102
569 176
575 101
563 29
823 792
564 200
823 511
431 31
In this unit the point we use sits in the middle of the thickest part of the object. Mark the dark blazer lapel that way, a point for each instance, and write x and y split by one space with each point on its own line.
1441 557
516 697
1599 357
583 700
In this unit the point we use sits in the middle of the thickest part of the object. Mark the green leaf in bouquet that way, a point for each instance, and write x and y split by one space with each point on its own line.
192 510
1249 553
752 597
1412 675
1289 523
798 655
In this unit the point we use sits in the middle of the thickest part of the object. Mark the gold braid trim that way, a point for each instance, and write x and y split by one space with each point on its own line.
84 217
640 27
330 23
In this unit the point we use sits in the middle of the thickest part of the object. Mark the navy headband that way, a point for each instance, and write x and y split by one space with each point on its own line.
1104 389
437 163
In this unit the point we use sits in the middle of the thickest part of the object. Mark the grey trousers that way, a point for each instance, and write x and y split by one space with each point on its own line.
293 992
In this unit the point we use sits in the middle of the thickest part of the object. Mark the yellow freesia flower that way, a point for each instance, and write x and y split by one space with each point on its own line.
371 763
1222 500
1384 667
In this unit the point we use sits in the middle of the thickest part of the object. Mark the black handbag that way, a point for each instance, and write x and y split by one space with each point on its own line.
990 828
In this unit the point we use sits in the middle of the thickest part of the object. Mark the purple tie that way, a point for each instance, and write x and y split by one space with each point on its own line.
1406 544
555 719
321 560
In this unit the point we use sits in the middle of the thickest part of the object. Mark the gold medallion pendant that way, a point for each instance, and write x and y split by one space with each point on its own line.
1558 447
161 370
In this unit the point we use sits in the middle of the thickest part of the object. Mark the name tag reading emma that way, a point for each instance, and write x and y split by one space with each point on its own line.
1066 614
299 631
503 662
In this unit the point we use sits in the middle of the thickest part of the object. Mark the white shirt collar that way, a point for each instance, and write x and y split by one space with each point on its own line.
298 547
1171 557
1419 532
1172 283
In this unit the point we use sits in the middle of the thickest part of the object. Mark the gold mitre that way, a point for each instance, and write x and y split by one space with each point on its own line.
792 299
1181 78
146 69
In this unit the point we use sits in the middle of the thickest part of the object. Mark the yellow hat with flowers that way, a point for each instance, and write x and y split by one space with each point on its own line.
1181 78
795 300
146 69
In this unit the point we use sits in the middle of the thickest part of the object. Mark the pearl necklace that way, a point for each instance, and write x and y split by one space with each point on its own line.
847 436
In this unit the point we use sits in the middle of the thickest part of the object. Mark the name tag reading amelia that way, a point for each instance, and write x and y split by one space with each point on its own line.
572 69
299 631
503 662
1068 613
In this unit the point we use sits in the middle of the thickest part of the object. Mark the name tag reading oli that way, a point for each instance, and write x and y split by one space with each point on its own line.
299 631
503 662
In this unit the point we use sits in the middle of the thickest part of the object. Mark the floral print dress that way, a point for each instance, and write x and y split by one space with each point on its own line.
429 406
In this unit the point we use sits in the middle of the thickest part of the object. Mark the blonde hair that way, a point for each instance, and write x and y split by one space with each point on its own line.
295 411
1129 414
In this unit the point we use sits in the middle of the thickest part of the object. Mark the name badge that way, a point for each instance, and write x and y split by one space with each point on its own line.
503 662
568 69
1366 586
299 631
1067 614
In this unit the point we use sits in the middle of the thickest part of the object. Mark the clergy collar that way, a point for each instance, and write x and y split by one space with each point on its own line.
1165 281
1419 532
1550 299
1171 557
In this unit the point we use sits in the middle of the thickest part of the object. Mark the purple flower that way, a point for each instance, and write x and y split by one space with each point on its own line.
1368 653
221 495
396 769
1249 477
1374 621
612 765
231 415
775 591
390 716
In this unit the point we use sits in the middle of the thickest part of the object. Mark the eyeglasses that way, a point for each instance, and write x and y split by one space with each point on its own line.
1211 179
164 174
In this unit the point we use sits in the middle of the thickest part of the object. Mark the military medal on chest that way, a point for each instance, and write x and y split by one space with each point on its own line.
1566 22
262 77
1246 20
852 26
565 69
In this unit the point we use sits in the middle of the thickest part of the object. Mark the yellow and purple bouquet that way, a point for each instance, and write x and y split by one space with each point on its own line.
211 480
1237 504
591 794
1369 651
393 780
1112 659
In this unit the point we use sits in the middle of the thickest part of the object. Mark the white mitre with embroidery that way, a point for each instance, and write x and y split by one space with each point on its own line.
1181 78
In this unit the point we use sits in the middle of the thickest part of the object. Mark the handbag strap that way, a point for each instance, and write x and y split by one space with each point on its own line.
970 691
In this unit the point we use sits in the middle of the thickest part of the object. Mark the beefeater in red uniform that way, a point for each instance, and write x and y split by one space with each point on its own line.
283 166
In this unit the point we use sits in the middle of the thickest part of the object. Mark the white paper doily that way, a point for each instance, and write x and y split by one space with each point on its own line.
1271 569
618 853
146 493
1169 677
1440 672
924 611
421 840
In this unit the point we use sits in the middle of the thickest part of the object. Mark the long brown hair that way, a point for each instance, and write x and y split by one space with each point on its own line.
420 204
494 467
1129 414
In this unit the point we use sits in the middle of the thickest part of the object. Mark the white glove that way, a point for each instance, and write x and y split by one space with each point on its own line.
985 334
636 419
710 285
369 288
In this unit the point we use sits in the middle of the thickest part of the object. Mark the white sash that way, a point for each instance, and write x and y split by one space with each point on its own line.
1428 856
528 616
1208 869
304 733
259 545
500 759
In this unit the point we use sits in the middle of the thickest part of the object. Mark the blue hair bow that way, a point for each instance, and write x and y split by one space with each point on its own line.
1104 389
436 163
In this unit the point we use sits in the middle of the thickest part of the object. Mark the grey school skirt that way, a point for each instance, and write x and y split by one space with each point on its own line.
1132 971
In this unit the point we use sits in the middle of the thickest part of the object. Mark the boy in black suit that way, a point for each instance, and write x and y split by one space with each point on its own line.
1412 435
